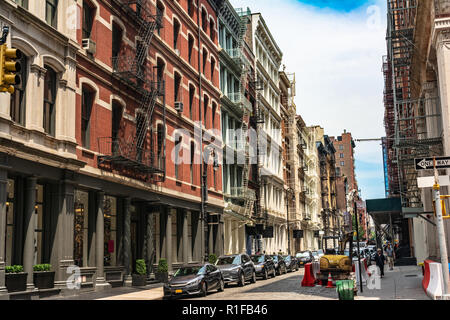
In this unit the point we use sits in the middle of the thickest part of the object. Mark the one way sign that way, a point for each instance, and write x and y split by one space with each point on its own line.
427 163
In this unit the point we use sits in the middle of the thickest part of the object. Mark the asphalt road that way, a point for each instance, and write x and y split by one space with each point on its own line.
284 287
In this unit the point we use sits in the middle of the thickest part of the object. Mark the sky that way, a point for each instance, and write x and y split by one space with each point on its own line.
335 49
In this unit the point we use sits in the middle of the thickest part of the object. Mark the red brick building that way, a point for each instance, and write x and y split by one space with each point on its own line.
146 75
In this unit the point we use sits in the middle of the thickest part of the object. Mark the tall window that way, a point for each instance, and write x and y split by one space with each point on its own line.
110 230
214 109
87 100
205 59
160 137
117 33
177 157
192 161
115 124
22 3
191 8
213 67
190 47
204 20
17 106
49 100
212 32
191 100
80 248
177 87
341 155
88 19
160 16
51 12
176 33
205 109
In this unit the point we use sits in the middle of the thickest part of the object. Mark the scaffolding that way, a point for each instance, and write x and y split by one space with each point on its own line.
142 152
405 116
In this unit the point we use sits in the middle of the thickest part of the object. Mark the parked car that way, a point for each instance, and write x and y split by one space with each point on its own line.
291 262
237 268
264 265
280 265
320 253
194 279
304 257
315 256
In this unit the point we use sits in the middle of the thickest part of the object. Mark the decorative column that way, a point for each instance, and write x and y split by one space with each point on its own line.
127 241
3 190
169 238
29 228
100 283
61 254
185 237
150 247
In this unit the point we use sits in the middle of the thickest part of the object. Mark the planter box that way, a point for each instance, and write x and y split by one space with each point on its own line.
162 277
16 282
44 279
138 280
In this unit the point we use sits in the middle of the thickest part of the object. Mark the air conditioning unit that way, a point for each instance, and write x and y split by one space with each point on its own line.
89 45
179 106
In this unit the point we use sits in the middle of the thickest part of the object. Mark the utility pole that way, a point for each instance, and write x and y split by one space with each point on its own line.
440 229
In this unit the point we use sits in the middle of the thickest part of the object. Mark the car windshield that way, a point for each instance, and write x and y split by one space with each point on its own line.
189 271
314 253
228 260
302 255
287 258
257 259
320 251
275 258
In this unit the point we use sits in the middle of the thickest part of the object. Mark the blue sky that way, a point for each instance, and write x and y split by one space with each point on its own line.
335 49
339 5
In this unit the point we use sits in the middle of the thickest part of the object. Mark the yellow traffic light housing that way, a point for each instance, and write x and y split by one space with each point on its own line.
9 66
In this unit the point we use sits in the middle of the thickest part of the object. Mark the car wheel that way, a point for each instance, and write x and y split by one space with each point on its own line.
242 280
253 279
221 286
265 274
204 290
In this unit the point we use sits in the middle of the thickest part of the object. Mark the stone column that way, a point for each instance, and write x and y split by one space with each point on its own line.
61 254
100 283
3 188
185 237
151 254
210 239
169 238
29 228
127 241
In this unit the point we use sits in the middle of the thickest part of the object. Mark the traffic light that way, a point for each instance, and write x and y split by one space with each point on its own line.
9 66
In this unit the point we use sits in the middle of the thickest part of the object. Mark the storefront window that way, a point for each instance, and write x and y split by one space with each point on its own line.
80 253
39 208
9 222
109 213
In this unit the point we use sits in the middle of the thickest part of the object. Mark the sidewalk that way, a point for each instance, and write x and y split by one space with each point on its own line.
149 292
402 283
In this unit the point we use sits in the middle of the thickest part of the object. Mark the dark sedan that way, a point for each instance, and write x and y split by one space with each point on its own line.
194 279
280 265
304 257
237 268
264 265
291 263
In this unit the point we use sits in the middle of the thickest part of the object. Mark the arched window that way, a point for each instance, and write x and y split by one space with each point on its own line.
159 16
177 87
88 19
212 33
18 101
214 109
205 59
204 20
190 47
192 161
177 161
191 8
117 34
176 33
191 100
213 67
160 143
49 100
205 109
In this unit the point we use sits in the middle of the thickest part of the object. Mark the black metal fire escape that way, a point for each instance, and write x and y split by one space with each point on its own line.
144 152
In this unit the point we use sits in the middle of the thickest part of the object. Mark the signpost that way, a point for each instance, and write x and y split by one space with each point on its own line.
427 163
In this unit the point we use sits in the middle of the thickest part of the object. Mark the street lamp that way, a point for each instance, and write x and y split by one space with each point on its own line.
208 150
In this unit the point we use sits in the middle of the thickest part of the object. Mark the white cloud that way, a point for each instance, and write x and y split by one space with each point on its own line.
337 60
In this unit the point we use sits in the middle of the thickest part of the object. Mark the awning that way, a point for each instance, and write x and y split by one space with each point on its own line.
381 210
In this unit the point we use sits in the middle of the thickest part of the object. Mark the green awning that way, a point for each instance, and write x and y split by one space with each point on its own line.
387 205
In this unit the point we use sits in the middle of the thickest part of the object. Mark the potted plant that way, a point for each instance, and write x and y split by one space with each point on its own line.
43 278
139 279
162 274
15 278
212 258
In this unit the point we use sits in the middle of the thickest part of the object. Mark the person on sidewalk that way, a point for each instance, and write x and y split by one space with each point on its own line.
379 260
390 256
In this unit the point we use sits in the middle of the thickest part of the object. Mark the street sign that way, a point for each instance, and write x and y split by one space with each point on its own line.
428 182
427 163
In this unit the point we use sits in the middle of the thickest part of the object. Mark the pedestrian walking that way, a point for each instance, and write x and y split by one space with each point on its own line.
379 260
390 256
